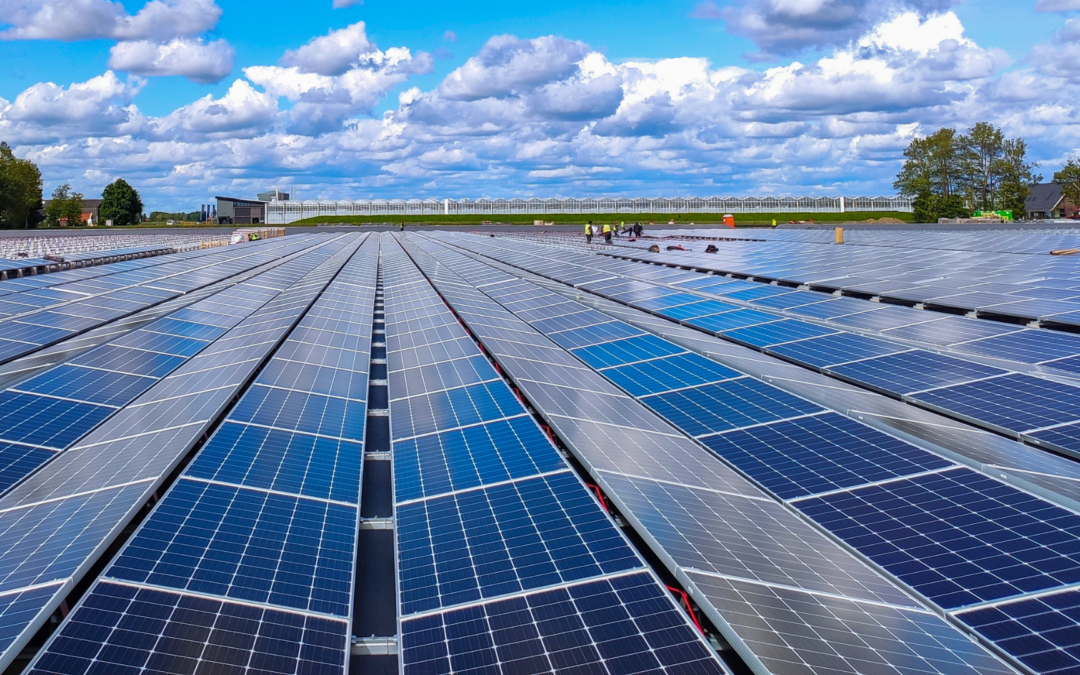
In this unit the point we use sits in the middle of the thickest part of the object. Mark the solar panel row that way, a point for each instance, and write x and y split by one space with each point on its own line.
488 513
957 537
75 505
706 518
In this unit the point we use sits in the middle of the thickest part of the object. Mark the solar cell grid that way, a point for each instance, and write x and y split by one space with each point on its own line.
1043 633
727 405
665 374
131 361
452 408
466 458
248 545
628 350
744 537
273 459
731 320
310 413
45 421
316 379
87 385
792 631
620 626
776 333
908 372
799 457
958 537
1013 402
503 540
121 629
832 350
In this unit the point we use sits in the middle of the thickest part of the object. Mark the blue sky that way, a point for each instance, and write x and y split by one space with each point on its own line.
190 98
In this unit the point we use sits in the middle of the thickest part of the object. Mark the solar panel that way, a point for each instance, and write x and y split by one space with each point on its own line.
952 329
795 458
958 537
440 411
727 405
45 421
730 320
913 371
776 333
503 539
625 351
1013 402
119 628
87 385
301 411
604 332
832 350
665 374
619 625
1042 633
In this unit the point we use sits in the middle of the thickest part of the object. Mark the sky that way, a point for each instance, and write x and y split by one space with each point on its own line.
351 99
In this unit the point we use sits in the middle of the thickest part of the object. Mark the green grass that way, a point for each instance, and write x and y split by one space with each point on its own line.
741 219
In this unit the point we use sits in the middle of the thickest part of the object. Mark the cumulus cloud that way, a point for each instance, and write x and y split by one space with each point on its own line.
1061 56
191 58
243 112
335 77
507 65
781 27
47 111
333 53
70 20
342 4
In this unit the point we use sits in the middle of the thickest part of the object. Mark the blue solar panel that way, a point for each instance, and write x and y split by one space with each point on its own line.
123 630
760 291
171 326
672 372
775 333
800 457
578 319
884 318
697 309
604 332
504 539
731 320
38 335
727 405
1028 346
18 461
1014 402
621 626
87 384
300 411
465 458
160 342
1042 633
273 459
19 609
958 537
247 545
425 414
315 379
666 302
913 371
952 329
828 307
626 351
48 422
835 349
133 361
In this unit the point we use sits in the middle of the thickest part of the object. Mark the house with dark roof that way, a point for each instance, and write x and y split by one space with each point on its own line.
1047 200
91 212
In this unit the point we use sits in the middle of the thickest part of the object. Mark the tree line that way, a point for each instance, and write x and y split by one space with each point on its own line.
21 205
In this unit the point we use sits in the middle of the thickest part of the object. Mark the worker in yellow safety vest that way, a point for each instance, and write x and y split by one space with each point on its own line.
607 233
588 232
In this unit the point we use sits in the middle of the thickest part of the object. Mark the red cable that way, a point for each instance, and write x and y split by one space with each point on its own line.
689 607
600 496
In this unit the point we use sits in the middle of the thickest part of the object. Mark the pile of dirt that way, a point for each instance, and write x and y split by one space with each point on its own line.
880 221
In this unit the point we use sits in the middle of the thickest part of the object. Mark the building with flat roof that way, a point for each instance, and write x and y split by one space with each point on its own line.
233 211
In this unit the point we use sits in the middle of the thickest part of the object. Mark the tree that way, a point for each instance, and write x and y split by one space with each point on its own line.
1016 175
20 190
981 152
121 203
1069 179
65 207
931 174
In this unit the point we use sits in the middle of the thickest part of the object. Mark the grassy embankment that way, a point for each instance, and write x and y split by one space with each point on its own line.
741 219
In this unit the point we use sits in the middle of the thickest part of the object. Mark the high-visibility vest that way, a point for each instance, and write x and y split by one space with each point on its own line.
607 228
588 229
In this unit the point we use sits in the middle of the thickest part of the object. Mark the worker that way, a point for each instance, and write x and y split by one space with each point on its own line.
402 226
607 233
638 229
588 232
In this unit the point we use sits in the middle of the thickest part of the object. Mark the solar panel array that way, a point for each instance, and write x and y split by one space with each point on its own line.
504 558
712 528
957 537
55 523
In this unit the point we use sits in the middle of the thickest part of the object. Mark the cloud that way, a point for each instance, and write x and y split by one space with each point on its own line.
333 53
507 65
242 112
1057 5
343 4
1061 56
784 27
97 107
449 36
191 58
70 20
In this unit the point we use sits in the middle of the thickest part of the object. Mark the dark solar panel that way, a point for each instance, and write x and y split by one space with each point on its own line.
696 309
775 333
120 629
731 320
1013 402
958 537
1028 346
88 385
504 539
800 457
440 411
603 332
301 411
473 456
48 422
836 349
1043 633
672 372
622 625
727 405
913 371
